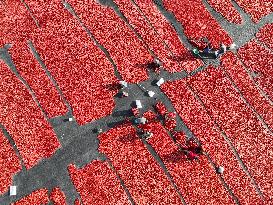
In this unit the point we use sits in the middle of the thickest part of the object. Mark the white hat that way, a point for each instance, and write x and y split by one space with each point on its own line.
138 104
125 94
220 170
160 82
123 83
232 46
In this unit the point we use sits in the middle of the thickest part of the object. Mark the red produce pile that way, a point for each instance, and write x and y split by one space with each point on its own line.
167 33
265 35
150 116
243 128
227 10
241 144
161 108
128 52
148 33
16 23
199 122
153 38
170 124
9 163
97 184
57 196
179 136
238 74
38 197
141 174
19 114
135 111
163 146
37 79
257 9
80 68
259 59
196 180
171 115
197 21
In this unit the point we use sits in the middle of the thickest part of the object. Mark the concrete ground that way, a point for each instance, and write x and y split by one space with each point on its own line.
80 143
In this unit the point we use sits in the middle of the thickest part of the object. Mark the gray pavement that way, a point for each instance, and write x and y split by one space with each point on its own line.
80 143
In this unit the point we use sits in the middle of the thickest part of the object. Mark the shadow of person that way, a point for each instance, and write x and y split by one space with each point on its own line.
176 156
186 56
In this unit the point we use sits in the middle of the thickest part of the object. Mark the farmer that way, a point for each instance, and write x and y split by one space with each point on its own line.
157 62
206 52
202 44
193 150
199 150
220 170
192 155
223 49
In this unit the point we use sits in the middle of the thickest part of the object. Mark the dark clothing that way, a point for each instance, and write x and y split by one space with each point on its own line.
206 50
198 150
